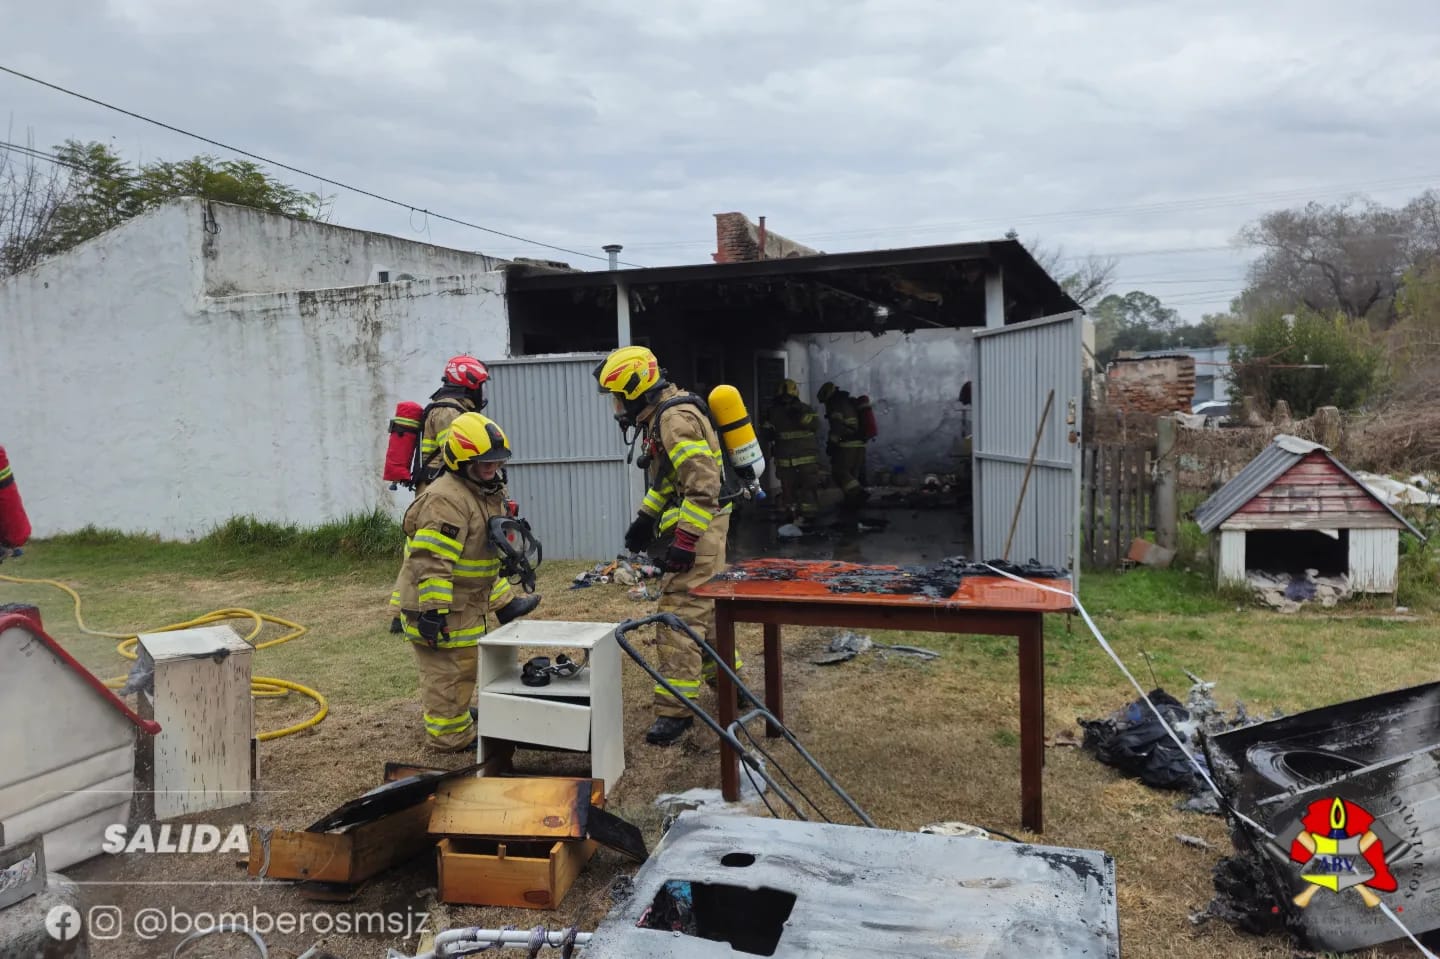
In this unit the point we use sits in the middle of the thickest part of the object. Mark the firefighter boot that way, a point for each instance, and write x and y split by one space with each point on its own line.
396 626
667 729
516 608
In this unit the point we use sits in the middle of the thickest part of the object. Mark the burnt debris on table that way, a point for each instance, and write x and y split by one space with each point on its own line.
939 580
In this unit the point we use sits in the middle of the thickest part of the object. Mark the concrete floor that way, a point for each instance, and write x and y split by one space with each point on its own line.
881 533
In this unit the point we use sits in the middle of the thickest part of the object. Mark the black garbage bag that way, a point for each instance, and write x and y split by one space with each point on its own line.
1133 741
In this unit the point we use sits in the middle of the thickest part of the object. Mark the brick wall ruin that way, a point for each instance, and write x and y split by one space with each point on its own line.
1154 385
737 240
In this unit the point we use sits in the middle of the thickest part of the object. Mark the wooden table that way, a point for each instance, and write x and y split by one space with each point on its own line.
818 593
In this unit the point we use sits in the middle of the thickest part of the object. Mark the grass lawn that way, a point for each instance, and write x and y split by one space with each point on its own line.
913 743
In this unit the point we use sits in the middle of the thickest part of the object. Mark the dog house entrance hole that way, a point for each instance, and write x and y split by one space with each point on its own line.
1295 551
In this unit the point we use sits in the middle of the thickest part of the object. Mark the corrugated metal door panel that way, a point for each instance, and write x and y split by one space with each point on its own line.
1232 556
1015 368
569 471
1374 555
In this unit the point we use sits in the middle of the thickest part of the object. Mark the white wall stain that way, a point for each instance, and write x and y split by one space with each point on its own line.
914 387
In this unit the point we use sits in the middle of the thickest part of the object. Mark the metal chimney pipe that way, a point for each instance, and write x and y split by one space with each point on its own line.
614 250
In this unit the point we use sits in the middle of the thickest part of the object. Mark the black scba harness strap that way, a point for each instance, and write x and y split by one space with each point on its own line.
730 489
520 552
420 469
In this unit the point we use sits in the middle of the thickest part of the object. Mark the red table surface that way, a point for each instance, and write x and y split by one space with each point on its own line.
810 580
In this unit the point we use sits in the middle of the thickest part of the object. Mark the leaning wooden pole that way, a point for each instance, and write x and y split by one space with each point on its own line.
1029 466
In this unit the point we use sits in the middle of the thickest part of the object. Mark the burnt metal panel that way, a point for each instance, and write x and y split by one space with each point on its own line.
1016 366
873 892
1382 753
569 471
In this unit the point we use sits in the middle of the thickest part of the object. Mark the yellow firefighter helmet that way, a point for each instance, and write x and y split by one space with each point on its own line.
474 438
789 388
629 372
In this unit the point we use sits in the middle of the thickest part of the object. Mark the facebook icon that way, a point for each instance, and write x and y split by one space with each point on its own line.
63 923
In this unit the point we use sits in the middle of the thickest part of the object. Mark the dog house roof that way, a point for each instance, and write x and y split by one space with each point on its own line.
1272 463
9 621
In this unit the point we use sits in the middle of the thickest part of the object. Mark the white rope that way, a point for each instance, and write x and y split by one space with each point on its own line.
1204 774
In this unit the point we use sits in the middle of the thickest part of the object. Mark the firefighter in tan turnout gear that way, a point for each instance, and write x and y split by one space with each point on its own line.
845 444
462 390
683 504
449 572
791 430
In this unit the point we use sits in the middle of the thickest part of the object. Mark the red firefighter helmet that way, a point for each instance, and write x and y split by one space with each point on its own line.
466 372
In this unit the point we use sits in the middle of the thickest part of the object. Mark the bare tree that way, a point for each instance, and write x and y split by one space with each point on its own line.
1348 258
32 190
1087 282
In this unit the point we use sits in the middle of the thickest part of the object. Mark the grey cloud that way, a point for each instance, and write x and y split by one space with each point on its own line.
877 123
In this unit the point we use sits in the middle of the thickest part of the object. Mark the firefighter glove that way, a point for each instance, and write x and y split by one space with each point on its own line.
431 625
640 534
681 555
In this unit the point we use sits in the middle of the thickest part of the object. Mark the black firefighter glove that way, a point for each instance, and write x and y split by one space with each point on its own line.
431 625
680 557
640 534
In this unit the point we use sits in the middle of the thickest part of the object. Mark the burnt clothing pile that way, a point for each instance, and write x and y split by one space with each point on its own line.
1134 741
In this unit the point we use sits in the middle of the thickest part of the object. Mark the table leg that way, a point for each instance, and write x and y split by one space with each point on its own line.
725 694
774 679
1032 720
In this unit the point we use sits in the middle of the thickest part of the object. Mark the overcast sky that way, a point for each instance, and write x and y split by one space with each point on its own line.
1142 128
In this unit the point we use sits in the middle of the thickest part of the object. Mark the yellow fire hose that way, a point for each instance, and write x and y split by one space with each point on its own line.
261 687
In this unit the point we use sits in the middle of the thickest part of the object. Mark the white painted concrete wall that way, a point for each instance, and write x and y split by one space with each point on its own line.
249 251
133 401
914 387
1374 560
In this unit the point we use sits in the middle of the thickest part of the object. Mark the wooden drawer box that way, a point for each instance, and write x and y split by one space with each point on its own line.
530 875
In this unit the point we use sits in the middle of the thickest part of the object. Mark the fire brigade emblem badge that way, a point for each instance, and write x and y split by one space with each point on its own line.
1338 846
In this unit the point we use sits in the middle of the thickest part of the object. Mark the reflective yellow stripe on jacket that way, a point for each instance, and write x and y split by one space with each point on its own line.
438 543
451 639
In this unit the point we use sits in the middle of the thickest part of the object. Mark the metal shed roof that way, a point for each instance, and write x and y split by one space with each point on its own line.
1272 462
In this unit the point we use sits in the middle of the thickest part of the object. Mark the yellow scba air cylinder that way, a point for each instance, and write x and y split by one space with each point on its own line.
738 433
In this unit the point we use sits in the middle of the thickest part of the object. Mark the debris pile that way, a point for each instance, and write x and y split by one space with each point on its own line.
847 645
1135 742
632 570
1287 592
939 580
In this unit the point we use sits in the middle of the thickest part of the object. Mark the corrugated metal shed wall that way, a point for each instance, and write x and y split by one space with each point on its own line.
569 471
1015 369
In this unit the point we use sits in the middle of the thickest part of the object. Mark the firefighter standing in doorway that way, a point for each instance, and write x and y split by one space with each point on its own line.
462 390
450 569
685 476
792 431
845 444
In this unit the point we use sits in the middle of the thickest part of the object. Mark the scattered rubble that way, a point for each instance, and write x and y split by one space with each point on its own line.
848 645
1286 592
1194 842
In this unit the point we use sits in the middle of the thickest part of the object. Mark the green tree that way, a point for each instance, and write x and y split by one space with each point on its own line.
1415 344
1308 359
105 191
1139 321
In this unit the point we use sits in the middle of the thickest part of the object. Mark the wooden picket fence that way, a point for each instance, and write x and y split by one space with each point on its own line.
1117 501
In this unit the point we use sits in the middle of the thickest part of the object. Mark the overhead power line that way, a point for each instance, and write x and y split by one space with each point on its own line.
297 170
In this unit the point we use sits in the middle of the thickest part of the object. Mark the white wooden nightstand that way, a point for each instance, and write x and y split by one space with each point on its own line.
582 713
